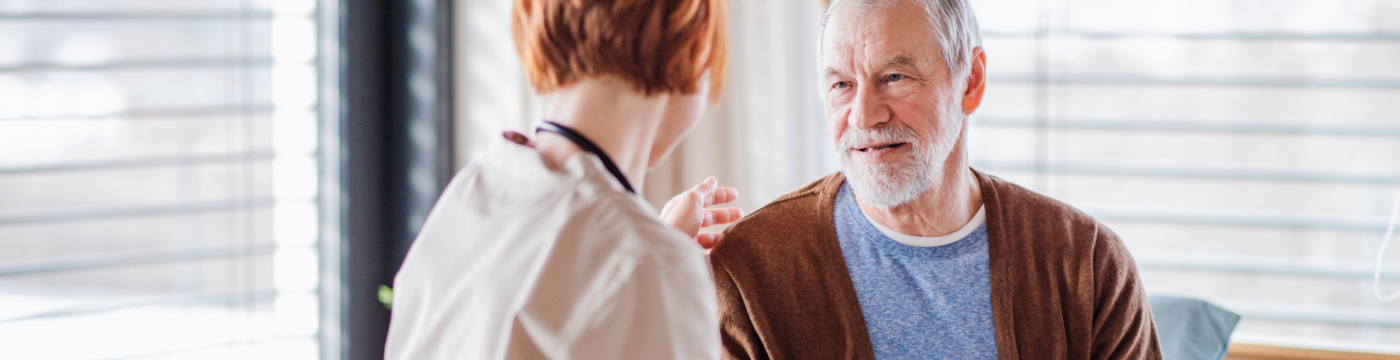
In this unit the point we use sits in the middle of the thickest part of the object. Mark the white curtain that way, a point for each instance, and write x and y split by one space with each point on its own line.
491 92
765 136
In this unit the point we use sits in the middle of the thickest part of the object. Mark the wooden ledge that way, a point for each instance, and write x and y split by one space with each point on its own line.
1265 352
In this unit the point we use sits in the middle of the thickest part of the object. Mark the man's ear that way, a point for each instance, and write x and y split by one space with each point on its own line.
976 81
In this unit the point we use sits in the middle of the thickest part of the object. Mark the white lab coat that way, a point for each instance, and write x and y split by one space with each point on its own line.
520 262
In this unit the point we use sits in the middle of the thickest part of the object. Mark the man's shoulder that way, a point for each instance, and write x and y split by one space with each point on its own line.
1020 212
791 219
1013 198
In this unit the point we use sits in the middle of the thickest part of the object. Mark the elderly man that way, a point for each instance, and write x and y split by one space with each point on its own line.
907 253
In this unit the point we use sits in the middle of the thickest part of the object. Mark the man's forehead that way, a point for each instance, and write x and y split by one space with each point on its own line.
879 53
883 36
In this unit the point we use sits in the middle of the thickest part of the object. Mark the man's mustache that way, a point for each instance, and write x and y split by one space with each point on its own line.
854 138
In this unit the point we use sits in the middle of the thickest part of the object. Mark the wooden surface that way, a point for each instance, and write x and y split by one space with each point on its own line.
1263 352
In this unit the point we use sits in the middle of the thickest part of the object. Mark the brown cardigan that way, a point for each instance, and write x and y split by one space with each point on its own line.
1063 285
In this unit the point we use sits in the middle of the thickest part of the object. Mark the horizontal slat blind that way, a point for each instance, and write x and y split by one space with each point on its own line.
1246 151
158 179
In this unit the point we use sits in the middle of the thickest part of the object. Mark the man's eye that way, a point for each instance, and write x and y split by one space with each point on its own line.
841 85
895 77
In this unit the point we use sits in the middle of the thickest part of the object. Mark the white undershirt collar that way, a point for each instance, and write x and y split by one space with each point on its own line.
921 241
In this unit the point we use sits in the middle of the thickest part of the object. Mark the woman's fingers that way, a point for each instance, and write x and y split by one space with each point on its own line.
721 216
722 196
706 190
713 194
687 210
707 241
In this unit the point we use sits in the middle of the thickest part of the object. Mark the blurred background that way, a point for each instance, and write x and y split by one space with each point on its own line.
236 178
158 179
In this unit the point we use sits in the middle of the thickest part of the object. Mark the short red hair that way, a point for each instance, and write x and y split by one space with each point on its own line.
656 45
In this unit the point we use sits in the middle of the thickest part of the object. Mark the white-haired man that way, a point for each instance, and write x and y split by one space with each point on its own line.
908 253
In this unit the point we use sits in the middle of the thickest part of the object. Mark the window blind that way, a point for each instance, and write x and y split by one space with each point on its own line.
158 179
1246 151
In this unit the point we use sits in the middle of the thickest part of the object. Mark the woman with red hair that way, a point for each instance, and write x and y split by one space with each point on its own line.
543 249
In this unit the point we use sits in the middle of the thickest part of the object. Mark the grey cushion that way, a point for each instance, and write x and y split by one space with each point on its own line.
1192 329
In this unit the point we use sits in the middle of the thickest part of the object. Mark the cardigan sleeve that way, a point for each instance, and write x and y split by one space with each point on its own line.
738 337
1123 326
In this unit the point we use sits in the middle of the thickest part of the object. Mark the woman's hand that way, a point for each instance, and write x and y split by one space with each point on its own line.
687 211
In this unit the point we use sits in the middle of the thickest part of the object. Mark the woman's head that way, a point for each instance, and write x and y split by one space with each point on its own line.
659 46
675 48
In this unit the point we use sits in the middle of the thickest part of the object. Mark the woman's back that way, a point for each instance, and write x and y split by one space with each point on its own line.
537 250
520 261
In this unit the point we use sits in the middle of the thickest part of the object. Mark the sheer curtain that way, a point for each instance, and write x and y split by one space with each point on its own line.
766 135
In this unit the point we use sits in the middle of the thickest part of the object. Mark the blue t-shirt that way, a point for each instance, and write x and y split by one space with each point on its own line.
918 302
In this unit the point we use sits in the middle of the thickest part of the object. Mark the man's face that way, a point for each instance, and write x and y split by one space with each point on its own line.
891 105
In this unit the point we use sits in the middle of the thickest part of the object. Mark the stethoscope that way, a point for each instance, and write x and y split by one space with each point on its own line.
586 145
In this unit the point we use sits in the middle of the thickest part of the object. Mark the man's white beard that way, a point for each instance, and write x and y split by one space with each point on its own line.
895 183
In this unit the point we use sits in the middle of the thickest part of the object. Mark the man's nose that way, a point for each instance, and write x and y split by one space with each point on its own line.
869 111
